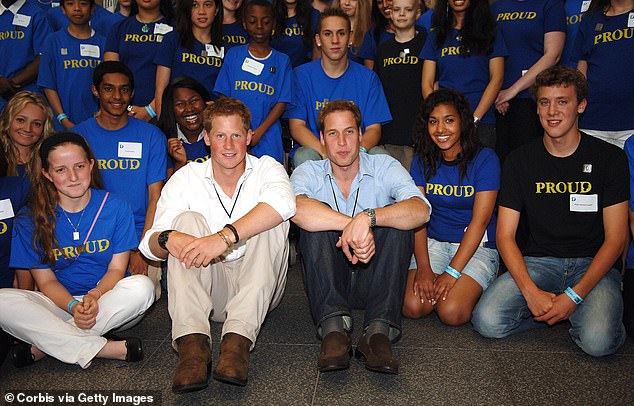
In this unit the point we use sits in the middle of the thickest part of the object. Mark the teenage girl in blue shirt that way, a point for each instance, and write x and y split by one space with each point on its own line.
456 256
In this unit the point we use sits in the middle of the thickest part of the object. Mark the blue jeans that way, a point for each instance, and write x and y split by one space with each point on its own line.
596 324
335 286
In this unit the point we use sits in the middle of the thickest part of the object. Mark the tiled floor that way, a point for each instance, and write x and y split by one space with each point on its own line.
439 365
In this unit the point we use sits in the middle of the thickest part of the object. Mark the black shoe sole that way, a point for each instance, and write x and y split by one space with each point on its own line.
380 369
229 380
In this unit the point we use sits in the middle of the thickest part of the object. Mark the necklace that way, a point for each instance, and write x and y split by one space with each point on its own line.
356 198
75 229
145 28
229 213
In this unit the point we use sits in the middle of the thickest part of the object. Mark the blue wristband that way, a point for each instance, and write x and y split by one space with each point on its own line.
573 295
453 272
61 117
150 111
362 149
71 304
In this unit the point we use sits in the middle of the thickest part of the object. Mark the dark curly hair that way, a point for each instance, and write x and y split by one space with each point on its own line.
167 122
427 152
478 30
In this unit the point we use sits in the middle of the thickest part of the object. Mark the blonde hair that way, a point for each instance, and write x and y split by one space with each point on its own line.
362 20
11 155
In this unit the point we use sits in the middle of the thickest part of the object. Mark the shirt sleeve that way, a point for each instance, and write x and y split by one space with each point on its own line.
275 189
222 85
303 179
486 171
23 253
113 42
400 184
46 75
368 47
41 31
510 192
417 172
617 186
554 16
297 108
125 236
167 50
157 169
429 49
377 110
286 85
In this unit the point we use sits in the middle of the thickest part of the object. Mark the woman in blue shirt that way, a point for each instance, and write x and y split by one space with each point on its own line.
295 27
79 266
195 49
456 255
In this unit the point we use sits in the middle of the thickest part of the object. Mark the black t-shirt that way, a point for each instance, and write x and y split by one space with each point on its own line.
561 199
400 74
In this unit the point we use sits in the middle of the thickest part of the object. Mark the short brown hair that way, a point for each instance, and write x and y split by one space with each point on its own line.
338 105
562 76
333 12
227 106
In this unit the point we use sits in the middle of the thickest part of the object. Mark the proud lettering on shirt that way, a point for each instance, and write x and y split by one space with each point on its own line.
90 247
517 15
449 190
3 227
616 35
201 60
143 38
81 63
407 60
121 164
254 87
562 187
4 35
234 39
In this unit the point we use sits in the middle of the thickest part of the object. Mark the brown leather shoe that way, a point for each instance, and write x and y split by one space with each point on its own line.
377 354
233 364
194 363
336 351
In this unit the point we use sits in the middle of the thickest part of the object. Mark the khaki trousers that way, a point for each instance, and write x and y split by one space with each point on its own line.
239 293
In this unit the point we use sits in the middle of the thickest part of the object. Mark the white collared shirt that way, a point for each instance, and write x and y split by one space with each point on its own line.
183 138
14 8
193 188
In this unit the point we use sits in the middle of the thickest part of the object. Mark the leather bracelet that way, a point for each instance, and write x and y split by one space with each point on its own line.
234 231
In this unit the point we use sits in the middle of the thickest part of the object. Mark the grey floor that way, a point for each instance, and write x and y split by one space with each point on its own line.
439 365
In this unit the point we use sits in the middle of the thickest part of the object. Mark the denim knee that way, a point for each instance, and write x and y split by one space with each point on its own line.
304 154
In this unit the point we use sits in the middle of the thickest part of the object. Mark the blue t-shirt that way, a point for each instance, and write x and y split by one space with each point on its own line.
137 45
22 37
77 271
469 74
196 152
101 20
452 198
66 66
129 159
523 25
14 193
607 45
202 63
260 90
313 89
370 46
291 42
574 14
234 35
425 19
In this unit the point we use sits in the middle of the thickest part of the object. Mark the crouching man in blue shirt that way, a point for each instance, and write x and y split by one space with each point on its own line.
357 213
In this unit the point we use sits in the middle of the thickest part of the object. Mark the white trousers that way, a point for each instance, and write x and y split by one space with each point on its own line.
34 318
239 293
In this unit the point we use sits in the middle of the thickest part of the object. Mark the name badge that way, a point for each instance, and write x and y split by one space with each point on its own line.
252 66
130 149
584 203
89 50
162 29
21 20
213 50
54 4
6 209
524 72
585 5
630 20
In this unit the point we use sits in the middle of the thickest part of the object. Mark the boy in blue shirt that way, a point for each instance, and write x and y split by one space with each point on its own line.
24 28
131 154
68 61
261 78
